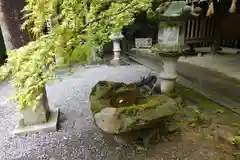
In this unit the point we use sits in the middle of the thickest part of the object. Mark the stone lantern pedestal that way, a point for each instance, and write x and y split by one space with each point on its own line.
116 48
169 74
169 55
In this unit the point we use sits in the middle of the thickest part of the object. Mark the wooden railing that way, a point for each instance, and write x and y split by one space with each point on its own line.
230 43
200 32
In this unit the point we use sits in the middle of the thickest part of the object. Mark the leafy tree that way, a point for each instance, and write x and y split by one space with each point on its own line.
77 26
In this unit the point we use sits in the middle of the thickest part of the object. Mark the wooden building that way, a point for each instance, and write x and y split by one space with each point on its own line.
212 24
198 24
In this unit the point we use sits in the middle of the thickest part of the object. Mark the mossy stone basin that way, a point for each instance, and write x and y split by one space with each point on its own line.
119 107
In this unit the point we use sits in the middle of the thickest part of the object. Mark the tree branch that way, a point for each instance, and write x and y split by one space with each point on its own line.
98 19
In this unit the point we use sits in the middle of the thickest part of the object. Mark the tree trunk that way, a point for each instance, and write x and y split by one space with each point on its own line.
10 21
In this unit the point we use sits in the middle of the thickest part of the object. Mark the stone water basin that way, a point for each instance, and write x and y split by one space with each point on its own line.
120 108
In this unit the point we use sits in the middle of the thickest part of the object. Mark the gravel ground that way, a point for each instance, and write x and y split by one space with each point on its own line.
78 138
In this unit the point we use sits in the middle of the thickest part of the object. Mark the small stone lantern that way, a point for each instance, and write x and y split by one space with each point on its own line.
170 44
116 47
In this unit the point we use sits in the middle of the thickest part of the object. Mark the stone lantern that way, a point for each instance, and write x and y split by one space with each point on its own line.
116 47
170 44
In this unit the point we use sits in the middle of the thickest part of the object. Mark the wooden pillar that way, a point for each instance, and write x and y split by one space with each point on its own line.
216 38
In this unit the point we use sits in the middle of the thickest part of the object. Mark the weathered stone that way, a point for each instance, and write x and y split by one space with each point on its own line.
42 119
39 115
119 107
173 126
106 119
49 126
115 62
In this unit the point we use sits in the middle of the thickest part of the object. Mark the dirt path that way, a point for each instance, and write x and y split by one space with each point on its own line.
200 140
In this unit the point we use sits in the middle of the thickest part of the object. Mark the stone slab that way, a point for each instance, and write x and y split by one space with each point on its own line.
227 64
143 42
50 126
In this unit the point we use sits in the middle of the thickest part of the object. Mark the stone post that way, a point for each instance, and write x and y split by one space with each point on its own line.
116 48
38 116
41 119
169 74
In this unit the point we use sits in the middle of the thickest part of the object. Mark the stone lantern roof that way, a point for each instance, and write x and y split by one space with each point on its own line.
175 11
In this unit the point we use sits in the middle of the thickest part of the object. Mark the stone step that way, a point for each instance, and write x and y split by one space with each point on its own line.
218 88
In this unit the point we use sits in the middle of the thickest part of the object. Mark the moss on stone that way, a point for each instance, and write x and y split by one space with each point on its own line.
146 117
166 50
209 109
139 112
96 107
104 93
236 140
152 102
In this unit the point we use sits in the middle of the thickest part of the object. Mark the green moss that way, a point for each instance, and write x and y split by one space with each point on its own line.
202 101
209 109
166 50
236 140
128 99
96 107
152 102
128 87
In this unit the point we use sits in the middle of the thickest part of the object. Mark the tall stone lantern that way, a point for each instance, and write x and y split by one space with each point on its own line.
170 44
116 39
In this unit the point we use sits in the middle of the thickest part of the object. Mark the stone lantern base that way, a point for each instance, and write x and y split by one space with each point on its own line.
115 62
167 83
169 74
118 62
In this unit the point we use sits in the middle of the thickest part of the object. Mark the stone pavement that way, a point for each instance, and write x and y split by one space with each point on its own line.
78 137
227 64
215 86
215 76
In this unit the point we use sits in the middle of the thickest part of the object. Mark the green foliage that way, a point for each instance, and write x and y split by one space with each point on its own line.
77 27
31 66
